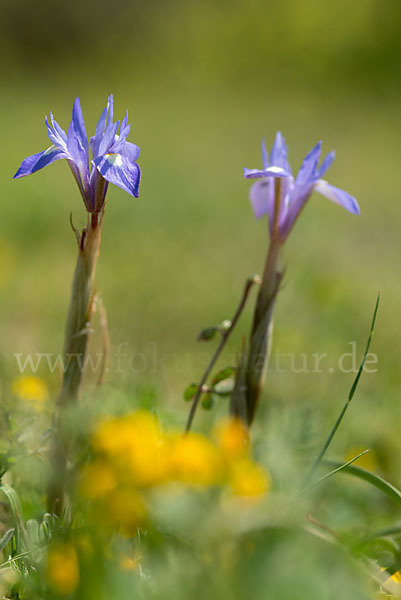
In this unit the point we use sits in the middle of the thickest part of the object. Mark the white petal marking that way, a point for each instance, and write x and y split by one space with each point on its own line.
114 159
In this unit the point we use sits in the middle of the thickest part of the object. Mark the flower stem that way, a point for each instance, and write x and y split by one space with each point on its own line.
262 327
80 310
75 347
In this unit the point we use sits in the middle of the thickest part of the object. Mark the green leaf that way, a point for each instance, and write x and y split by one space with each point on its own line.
207 401
378 482
6 538
32 528
208 334
15 507
393 530
4 461
223 374
190 392
51 525
36 539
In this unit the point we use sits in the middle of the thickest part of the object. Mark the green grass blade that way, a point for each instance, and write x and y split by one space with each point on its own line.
358 375
389 531
13 501
336 470
6 538
350 395
378 482
13 559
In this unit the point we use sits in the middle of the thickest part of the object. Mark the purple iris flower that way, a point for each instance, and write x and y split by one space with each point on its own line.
293 193
113 158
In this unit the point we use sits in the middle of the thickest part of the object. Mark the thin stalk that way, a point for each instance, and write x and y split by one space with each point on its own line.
224 337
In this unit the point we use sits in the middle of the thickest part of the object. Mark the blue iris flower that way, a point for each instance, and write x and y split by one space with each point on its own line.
113 157
293 192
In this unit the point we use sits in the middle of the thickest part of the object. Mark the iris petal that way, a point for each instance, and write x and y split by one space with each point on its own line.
307 172
326 164
110 104
59 130
77 142
120 140
96 139
265 156
259 197
108 138
268 172
79 125
37 161
77 152
124 122
55 137
338 196
278 155
130 151
120 171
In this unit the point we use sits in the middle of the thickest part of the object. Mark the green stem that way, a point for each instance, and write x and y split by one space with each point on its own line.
262 326
75 347
261 332
80 310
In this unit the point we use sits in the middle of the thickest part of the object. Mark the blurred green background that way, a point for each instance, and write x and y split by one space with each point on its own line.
204 82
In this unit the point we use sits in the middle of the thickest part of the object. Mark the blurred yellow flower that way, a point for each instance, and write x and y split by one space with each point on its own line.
194 460
137 446
133 453
32 389
118 435
396 577
232 438
125 509
62 569
147 458
97 480
128 563
249 479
